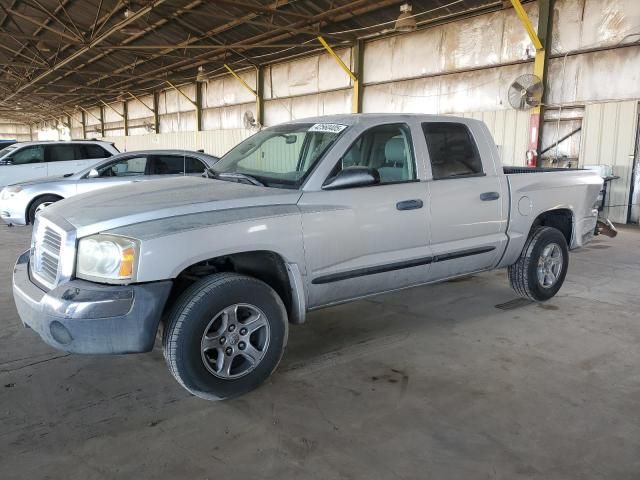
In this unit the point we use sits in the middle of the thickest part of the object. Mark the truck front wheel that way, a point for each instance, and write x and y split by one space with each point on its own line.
225 335
542 267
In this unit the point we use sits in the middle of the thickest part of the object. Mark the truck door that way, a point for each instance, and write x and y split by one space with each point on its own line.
468 199
365 240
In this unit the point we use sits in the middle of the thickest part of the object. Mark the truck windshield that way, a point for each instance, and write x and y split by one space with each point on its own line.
280 156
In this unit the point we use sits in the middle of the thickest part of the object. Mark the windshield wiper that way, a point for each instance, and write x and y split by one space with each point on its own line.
238 177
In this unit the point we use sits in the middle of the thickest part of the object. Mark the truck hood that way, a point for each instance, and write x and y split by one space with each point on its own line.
138 202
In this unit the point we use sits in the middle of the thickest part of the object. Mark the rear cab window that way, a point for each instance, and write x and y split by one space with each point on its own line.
452 151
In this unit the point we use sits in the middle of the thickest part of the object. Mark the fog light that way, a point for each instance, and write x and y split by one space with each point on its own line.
60 333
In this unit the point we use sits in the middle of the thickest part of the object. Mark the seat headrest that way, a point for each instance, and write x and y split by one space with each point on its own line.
394 151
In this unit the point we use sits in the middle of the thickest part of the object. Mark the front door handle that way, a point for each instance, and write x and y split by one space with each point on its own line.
488 196
409 204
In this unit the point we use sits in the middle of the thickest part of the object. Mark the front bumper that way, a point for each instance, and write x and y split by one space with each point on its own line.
86 317
11 214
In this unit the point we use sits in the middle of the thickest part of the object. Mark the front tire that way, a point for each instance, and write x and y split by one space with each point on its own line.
542 267
38 204
225 335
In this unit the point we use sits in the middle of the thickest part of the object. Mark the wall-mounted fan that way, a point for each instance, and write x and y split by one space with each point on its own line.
525 92
249 120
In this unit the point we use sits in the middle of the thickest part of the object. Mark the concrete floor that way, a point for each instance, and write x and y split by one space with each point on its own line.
434 382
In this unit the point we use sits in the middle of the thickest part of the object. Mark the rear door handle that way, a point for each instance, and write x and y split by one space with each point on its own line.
488 196
409 204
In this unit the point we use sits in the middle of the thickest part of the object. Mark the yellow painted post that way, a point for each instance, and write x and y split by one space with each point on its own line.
524 18
257 94
356 101
535 121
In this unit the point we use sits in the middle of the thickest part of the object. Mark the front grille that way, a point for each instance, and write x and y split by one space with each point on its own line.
47 248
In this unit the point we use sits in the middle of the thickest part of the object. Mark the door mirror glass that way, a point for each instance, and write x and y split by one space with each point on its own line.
6 161
352 177
93 173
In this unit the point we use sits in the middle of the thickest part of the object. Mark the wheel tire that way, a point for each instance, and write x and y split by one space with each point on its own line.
190 319
33 208
523 274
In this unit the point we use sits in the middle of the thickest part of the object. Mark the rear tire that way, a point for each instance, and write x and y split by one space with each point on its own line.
542 267
38 203
225 335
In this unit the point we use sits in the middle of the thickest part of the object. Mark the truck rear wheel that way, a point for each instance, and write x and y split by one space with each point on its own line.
542 267
225 335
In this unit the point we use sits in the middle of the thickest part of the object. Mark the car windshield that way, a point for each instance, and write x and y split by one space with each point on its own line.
280 156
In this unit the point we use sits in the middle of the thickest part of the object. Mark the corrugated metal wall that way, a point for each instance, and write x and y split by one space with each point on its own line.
9 130
609 138
213 142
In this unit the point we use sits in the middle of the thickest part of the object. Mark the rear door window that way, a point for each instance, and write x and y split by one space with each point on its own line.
64 152
452 150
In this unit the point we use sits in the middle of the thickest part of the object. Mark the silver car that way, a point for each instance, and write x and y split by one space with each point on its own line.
20 202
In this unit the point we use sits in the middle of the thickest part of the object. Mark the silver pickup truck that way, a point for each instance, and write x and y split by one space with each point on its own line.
298 217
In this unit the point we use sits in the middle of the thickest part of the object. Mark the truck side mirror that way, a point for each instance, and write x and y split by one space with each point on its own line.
93 173
352 177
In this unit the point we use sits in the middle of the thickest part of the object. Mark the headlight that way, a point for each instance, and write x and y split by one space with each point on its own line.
8 192
107 257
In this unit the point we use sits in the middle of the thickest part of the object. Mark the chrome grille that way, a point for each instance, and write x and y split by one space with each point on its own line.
47 249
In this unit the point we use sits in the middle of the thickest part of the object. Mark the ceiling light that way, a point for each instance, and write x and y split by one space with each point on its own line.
200 77
43 47
405 22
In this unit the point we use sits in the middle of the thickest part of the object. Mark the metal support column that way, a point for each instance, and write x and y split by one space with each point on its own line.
356 101
539 40
156 116
358 62
260 95
83 119
102 121
198 106
256 93
125 116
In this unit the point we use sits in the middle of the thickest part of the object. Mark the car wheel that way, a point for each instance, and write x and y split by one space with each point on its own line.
225 335
40 204
542 267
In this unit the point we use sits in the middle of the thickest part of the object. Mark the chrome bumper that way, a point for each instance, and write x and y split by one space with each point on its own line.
86 317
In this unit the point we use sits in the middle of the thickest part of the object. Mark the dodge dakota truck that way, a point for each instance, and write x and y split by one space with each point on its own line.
298 217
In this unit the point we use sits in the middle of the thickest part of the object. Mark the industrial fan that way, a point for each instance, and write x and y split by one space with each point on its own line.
525 92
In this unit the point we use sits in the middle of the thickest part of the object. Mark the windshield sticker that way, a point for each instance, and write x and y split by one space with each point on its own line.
327 127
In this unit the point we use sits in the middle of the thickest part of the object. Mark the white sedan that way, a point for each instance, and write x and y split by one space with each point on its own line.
20 202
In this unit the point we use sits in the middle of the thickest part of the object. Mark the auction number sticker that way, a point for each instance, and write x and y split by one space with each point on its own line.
327 127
